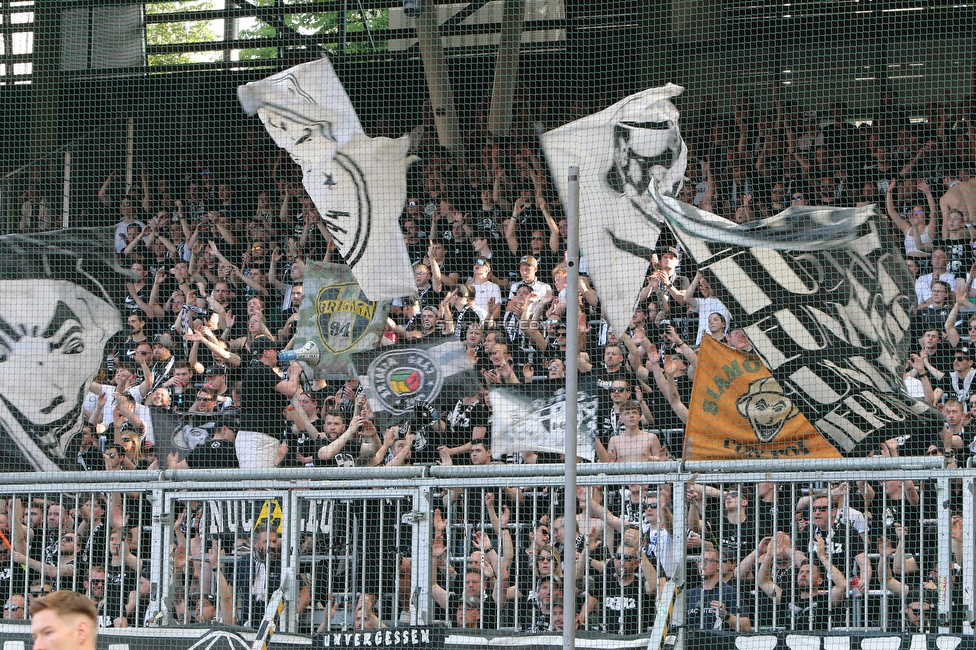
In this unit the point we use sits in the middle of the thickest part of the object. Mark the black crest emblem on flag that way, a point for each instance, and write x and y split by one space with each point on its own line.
404 378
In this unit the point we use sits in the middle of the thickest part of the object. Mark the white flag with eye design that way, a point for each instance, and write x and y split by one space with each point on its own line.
357 183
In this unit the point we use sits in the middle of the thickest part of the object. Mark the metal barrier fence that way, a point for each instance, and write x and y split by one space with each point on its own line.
883 547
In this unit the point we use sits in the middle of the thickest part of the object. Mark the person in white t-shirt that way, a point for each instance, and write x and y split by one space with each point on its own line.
704 306
487 294
125 381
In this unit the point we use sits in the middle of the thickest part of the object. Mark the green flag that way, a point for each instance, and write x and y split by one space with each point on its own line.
336 315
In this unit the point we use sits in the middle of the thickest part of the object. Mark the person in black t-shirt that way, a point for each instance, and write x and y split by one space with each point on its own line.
845 529
773 508
714 603
264 395
341 446
218 453
89 454
121 580
627 606
467 420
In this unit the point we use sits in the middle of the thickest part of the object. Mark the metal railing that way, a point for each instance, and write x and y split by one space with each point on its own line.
355 548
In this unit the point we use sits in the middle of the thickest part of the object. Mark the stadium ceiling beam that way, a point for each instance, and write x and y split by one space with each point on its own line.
453 23
469 10
274 65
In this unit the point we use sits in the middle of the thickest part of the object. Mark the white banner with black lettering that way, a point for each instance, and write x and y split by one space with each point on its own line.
520 422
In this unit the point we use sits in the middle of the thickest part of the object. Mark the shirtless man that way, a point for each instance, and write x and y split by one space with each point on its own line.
634 445
961 196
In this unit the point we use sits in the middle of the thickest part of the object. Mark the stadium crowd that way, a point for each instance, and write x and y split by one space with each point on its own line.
218 259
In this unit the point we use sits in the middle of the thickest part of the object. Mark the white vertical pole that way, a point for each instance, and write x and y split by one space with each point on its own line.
968 550
944 561
572 427
66 191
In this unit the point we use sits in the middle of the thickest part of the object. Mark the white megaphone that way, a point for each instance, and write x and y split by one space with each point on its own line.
308 353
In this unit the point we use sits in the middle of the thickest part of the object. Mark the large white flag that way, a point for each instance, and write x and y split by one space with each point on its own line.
620 150
358 183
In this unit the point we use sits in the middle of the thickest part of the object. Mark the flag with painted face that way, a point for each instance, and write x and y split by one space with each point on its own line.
739 412
827 307
338 317
60 299
358 184
620 151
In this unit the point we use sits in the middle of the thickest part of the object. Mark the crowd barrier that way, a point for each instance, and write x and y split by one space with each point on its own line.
371 548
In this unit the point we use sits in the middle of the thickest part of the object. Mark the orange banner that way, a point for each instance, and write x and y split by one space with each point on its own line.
738 411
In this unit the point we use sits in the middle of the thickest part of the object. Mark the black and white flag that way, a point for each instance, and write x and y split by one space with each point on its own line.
620 151
358 183
829 316
523 422
60 295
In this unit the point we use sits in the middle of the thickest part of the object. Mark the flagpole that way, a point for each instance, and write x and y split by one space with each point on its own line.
572 358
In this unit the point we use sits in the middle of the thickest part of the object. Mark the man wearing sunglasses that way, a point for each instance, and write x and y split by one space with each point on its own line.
959 382
15 608
844 528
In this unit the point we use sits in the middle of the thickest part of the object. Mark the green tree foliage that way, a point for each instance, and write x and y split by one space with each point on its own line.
181 32
320 24
307 24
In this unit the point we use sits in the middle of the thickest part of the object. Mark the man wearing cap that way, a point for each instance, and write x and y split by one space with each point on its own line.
264 395
217 382
528 268
665 279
